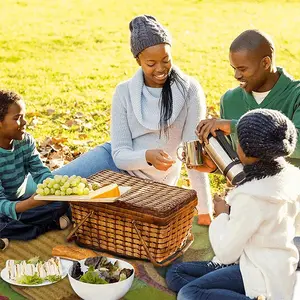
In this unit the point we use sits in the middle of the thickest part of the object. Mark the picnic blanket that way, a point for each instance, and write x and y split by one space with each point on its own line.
149 283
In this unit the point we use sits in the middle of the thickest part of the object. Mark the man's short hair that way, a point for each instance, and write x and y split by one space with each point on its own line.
252 40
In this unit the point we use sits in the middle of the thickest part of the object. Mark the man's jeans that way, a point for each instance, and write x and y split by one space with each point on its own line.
206 281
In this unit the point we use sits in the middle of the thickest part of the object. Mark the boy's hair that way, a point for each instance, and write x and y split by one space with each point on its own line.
7 98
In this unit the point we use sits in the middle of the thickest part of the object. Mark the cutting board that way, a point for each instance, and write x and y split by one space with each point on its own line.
83 198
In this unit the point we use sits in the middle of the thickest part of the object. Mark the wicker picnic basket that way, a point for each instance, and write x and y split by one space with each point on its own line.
150 221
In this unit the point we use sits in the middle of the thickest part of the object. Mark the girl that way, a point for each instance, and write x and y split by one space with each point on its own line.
255 253
152 114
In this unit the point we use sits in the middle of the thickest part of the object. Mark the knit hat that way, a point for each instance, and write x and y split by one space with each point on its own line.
266 134
146 32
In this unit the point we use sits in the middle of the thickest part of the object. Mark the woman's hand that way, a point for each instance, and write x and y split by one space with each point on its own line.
205 127
220 206
159 159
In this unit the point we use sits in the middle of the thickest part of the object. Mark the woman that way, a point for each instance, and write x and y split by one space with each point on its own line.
255 254
152 114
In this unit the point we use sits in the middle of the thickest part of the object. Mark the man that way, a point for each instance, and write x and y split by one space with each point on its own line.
262 85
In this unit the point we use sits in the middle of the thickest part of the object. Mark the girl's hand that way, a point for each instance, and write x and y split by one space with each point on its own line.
159 159
220 206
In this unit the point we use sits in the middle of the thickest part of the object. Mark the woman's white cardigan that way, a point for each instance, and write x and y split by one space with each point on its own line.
259 234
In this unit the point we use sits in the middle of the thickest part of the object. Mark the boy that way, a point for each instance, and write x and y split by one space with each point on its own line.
21 217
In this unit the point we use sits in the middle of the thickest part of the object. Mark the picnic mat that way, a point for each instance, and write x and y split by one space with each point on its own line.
149 283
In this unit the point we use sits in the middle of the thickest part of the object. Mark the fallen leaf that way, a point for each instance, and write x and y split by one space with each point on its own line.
70 123
82 136
56 163
77 121
50 111
33 122
87 125
59 140
78 142
78 115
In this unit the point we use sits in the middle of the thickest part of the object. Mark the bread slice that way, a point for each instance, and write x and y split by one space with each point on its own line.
72 252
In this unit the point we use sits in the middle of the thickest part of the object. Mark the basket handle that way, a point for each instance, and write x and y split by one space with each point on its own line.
73 231
171 258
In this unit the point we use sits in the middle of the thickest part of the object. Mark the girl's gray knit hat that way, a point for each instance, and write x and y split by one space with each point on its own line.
266 134
146 32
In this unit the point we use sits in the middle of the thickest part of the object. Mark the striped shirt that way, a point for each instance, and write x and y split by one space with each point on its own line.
15 165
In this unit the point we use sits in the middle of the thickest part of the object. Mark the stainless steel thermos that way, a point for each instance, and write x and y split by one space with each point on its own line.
226 159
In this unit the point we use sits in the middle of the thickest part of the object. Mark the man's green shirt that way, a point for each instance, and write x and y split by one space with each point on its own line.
284 96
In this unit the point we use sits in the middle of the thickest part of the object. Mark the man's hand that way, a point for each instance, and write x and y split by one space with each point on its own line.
29 203
220 206
159 159
205 127
208 165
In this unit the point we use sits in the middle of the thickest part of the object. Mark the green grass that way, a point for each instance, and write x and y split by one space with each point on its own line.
69 55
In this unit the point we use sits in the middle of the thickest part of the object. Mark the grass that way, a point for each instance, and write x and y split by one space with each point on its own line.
68 55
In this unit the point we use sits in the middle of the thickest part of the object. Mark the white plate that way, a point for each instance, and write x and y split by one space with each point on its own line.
84 198
66 264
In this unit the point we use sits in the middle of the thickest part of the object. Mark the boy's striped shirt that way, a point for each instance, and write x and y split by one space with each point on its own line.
15 165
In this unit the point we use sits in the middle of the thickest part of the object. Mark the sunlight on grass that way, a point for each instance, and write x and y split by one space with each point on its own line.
69 55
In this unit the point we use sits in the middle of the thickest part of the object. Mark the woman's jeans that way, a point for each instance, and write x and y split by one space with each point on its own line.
206 281
89 163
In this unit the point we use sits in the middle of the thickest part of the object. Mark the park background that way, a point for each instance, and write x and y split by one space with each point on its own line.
65 57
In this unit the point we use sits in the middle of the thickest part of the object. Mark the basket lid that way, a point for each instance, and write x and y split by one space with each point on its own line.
146 196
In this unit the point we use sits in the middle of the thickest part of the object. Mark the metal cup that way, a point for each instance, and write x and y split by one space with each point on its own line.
192 150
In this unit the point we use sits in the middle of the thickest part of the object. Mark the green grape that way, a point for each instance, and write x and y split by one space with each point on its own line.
65 178
84 180
81 185
74 183
57 193
67 184
95 186
56 186
57 178
50 184
69 191
40 191
47 180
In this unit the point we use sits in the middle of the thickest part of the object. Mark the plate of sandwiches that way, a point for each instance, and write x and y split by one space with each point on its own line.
35 272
